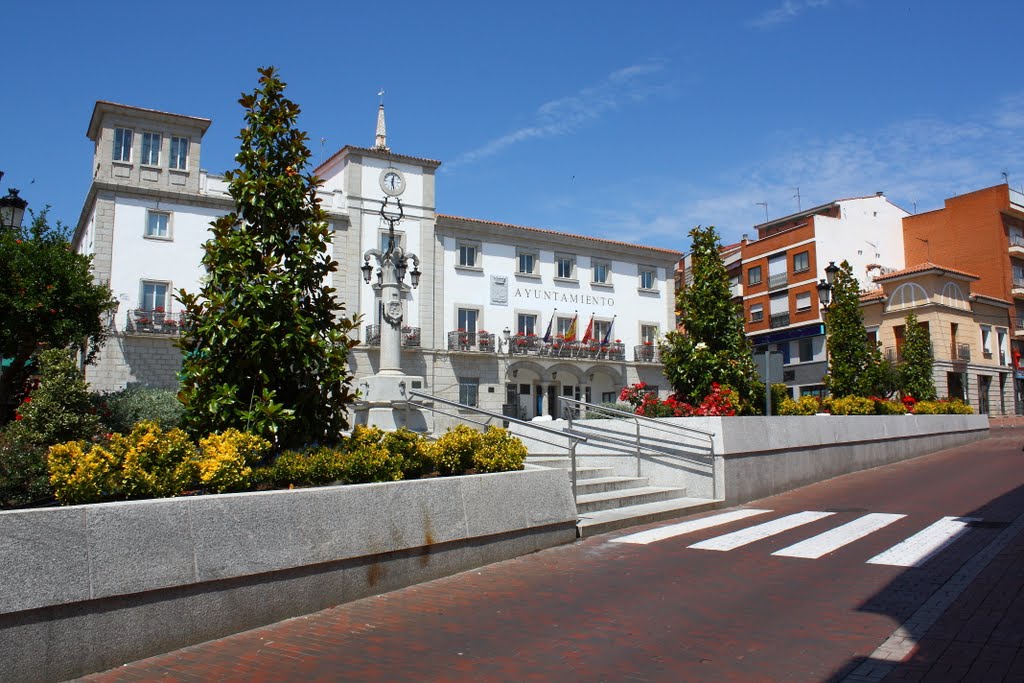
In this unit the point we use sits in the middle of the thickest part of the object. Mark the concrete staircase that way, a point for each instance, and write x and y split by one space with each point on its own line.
605 502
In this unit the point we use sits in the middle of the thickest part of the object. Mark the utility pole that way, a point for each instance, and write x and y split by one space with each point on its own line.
797 197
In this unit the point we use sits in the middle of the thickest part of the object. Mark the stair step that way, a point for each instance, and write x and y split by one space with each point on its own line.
602 484
582 472
593 502
603 521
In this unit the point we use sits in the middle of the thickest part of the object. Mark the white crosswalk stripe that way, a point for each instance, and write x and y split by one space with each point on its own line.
834 539
661 533
760 531
925 544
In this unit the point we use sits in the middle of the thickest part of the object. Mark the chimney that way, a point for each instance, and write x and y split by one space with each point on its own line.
879 194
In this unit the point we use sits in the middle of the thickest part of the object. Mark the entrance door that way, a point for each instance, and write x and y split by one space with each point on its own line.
553 402
984 384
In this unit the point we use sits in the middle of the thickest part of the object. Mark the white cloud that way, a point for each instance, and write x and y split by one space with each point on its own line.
787 11
566 114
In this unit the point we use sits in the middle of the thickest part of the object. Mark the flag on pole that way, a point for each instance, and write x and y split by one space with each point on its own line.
570 334
589 334
608 333
547 335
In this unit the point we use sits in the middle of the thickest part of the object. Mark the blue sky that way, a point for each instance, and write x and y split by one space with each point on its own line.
631 121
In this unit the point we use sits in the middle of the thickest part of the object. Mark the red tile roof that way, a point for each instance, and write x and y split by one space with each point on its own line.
672 252
873 295
925 267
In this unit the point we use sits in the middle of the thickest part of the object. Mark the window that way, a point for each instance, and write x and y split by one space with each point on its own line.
646 277
468 255
122 144
806 350
151 149
154 296
565 267
756 313
602 272
562 326
527 262
602 329
526 323
648 333
158 225
986 341
803 301
467 319
801 261
754 275
609 396
469 391
179 154
384 240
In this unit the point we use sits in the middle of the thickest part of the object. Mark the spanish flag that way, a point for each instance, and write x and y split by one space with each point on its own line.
570 334
589 334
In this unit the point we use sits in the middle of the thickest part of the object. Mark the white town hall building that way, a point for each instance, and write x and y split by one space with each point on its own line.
474 329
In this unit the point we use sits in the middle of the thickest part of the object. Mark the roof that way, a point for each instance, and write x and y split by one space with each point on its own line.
380 153
104 105
924 268
555 233
820 208
873 295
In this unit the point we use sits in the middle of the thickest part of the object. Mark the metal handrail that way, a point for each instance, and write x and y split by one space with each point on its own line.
574 437
640 420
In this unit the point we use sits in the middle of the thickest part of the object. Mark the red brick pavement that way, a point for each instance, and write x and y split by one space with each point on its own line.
600 611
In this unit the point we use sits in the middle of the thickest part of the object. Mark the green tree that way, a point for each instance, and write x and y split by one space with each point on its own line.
849 354
47 298
881 377
267 347
916 371
712 346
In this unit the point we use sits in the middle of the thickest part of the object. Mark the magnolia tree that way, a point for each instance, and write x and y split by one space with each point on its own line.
849 353
267 348
711 347
916 369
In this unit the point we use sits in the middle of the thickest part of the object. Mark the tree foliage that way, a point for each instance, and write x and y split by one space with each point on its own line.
267 347
47 298
916 370
849 353
712 346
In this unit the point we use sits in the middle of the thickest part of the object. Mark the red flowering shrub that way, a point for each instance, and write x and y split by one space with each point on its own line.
720 402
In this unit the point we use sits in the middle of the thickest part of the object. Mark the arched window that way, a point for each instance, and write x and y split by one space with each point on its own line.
953 296
908 295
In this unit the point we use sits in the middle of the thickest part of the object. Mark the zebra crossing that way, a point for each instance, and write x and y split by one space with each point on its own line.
914 551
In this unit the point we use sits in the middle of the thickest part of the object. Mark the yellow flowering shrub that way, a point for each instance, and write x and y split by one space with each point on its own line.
412 449
82 473
805 405
849 405
453 452
499 452
154 463
316 466
226 461
368 462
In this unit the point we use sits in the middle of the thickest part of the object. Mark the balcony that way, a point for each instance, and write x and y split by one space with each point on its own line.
410 336
736 289
1018 328
1017 245
778 280
1018 288
144 321
778 320
479 342
961 352
646 353
532 345
894 354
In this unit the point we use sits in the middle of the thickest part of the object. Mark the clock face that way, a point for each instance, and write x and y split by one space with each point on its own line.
392 182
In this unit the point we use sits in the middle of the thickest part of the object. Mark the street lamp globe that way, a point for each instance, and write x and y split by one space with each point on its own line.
12 210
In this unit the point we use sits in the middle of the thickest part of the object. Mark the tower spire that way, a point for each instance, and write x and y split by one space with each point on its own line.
382 133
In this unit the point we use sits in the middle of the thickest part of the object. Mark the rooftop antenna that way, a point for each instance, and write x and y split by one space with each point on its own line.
1006 178
797 196
765 205
322 141
914 202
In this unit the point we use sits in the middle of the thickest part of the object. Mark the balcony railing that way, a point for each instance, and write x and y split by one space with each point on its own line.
893 354
461 340
646 353
1018 283
778 320
1016 241
961 352
410 336
155 321
1020 324
778 280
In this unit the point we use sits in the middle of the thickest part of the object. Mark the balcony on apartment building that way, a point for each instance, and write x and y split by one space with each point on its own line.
1017 245
155 321
778 320
410 336
778 280
1018 287
962 352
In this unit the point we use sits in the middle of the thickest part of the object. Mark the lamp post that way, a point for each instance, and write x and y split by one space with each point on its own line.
825 297
12 209
386 392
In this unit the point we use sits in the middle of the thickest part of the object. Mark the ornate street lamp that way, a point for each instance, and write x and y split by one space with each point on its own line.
825 297
12 210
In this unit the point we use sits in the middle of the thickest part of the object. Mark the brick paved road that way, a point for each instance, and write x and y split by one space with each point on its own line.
606 611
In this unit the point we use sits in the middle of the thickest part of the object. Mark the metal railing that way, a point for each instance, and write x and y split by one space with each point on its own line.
573 438
778 320
646 353
778 280
961 351
471 341
575 408
1017 240
154 321
410 335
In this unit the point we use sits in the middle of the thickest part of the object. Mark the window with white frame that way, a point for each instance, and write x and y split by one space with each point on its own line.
647 274
986 341
648 333
803 301
384 240
602 272
469 391
154 296
1001 341
565 266
158 225
469 254
602 329
562 326
756 313
122 144
151 149
526 262
179 154
467 319
526 323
